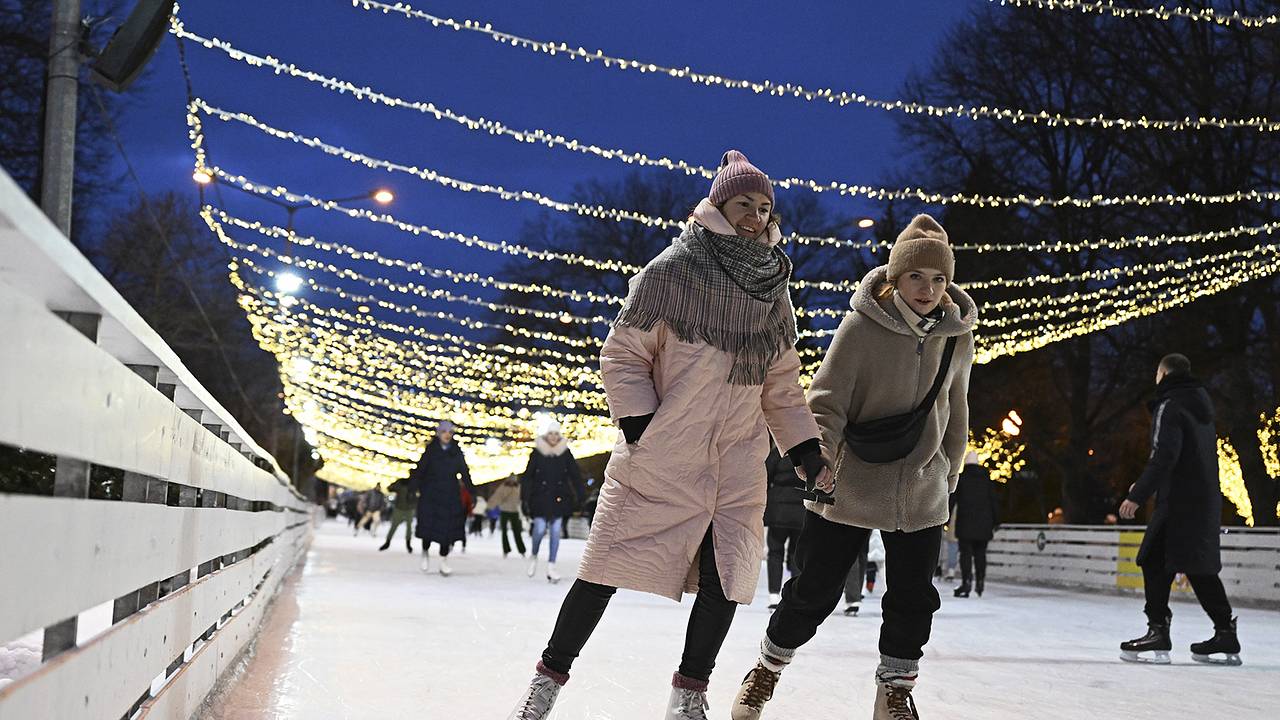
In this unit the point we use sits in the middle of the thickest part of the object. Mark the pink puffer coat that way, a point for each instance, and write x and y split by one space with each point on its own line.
700 462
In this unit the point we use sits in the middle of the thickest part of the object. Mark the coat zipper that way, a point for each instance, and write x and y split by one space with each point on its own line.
901 470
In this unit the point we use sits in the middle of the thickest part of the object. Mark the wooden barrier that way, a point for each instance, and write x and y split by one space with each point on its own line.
202 527
1103 557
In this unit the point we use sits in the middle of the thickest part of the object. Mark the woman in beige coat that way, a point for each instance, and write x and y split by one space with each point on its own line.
698 368
883 362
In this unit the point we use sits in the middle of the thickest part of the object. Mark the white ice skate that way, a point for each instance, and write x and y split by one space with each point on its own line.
426 564
687 705
445 570
538 699
774 600
553 575
533 566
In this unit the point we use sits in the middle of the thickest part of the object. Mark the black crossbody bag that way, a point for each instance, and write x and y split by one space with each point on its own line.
892 438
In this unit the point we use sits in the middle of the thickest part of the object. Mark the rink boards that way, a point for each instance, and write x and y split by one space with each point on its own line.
1092 557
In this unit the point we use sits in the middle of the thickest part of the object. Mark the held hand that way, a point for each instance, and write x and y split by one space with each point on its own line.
826 482
820 489
1128 509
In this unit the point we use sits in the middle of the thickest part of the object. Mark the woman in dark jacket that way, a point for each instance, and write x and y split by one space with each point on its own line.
440 478
783 518
977 516
550 489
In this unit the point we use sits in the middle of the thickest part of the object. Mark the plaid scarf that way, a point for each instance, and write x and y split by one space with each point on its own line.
726 291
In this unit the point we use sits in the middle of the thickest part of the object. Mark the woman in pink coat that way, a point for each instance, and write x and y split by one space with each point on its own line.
699 366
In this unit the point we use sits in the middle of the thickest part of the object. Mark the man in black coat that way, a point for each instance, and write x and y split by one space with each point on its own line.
1182 534
977 514
783 518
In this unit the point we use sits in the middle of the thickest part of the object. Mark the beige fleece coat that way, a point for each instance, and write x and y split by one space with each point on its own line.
700 463
873 370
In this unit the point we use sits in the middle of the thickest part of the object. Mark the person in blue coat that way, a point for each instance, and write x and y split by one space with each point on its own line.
443 481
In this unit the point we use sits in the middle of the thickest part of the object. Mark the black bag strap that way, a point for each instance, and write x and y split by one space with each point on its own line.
947 353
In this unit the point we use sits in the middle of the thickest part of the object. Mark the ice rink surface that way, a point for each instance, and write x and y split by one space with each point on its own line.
364 634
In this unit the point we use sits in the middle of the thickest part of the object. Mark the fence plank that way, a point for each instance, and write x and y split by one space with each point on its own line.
65 397
186 690
105 677
105 548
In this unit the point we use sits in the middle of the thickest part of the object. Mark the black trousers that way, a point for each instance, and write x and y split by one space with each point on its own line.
512 520
708 622
857 577
444 547
827 551
781 542
1157 582
973 553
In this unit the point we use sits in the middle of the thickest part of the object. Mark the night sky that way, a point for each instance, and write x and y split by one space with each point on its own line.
862 46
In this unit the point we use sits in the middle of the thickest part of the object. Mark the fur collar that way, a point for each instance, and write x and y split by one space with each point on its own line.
710 217
550 450
961 318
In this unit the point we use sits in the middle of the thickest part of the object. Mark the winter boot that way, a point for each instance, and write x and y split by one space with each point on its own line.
533 566
895 679
963 590
688 699
445 570
1224 642
757 687
540 697
553 575
1156 641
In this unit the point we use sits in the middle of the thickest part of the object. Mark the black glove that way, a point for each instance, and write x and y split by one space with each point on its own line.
633 427
808 455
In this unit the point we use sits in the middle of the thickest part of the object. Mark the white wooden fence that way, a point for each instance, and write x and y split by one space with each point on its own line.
1102 557
201 525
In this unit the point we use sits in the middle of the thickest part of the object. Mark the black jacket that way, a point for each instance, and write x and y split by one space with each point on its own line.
785 505
551 485
439 477
1182 473
976 504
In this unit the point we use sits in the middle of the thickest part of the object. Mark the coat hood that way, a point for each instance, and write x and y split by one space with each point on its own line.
546 448
1189 392
960 319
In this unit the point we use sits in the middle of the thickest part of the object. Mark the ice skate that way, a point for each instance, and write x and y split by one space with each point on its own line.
851 610
775 599
384 546
1156 642
445 570
553 575
962 591
686 704
533 567
426 564
757 689
538 699
979 584
1224 642
894 702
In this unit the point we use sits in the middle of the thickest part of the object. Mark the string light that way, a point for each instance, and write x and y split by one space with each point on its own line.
999 453
601 212
1231 481
834 97
1269 443
1207 14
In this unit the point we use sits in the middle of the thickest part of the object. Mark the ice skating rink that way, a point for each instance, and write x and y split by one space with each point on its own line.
362 634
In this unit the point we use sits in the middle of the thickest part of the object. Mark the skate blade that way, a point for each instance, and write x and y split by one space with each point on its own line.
1161 657
1231 659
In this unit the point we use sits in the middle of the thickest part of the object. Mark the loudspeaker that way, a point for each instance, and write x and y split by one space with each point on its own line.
132 44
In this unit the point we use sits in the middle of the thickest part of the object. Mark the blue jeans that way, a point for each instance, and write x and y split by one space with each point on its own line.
540 528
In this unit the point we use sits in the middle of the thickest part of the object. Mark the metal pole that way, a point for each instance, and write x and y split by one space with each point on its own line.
58 162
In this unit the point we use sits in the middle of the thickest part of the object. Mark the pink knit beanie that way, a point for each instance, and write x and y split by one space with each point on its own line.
736 177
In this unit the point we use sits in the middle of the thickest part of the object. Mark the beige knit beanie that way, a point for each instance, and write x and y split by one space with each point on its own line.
922 244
